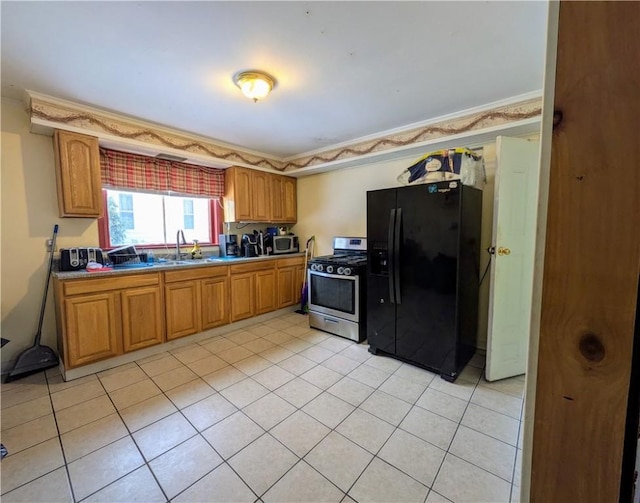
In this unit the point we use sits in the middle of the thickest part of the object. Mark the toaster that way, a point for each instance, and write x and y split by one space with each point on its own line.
73 259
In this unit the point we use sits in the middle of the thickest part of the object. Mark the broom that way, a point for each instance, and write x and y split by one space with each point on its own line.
304 293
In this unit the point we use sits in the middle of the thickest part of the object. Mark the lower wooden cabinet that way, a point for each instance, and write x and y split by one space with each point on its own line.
253 289
266 298
290 278
132 312
196 300
142 319
92 328
182 309
286 281
242 296
215 302
125 316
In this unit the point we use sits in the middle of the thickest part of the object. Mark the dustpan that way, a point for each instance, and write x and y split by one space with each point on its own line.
37 357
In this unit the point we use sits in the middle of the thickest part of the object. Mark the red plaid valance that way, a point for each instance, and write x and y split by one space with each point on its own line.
121 170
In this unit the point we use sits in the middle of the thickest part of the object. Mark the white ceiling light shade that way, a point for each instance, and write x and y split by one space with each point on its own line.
254 84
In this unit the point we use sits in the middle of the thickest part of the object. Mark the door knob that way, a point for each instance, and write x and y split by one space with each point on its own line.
503 251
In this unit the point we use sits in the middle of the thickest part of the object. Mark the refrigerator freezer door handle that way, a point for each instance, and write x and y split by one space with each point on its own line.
396 255
390 251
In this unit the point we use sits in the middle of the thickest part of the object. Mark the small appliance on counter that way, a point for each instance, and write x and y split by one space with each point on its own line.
277 231
74 259
249 245
285 244
229 245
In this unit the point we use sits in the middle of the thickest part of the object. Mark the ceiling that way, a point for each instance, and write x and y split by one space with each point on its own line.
344 70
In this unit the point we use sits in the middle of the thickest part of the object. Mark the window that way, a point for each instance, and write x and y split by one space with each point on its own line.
187 206
125 210
149 220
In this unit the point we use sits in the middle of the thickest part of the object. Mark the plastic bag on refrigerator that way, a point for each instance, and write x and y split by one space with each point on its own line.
452 164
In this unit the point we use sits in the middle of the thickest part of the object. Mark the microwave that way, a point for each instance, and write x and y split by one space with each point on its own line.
285 244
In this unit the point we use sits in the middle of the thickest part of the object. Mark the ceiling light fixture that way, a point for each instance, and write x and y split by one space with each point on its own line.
254 84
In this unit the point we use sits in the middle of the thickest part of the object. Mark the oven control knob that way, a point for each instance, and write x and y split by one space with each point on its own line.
329 269
320 268
340 270
312 267
347 271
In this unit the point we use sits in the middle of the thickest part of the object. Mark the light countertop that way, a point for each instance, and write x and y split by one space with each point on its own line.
168 265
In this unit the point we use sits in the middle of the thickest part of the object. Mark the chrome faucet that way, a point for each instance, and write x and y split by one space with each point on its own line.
184 242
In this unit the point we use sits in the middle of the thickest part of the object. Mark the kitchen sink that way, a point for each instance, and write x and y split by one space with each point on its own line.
174 262
136 265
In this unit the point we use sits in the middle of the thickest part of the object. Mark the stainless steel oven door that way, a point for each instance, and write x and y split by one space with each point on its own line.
334 295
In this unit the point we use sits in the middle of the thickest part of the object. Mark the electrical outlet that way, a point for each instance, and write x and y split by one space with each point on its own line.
49 244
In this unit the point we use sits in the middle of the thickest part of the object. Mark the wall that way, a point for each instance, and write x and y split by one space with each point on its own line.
334 204
29 210
329 204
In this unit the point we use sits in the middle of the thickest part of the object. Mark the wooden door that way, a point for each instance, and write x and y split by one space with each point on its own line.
142 317
182 302
215 310
261 196
289 199
78 175
242 296
514 231
589 287
277 202
92 328
266 295
286 292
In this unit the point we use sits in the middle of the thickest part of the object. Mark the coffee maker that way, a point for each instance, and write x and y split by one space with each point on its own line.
250 245
229 245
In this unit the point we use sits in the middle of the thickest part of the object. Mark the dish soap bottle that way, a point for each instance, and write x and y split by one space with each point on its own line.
196 251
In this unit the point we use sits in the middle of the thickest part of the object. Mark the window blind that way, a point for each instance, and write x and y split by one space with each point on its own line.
122 170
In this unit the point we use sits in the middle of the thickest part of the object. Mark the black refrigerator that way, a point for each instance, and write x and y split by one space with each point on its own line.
423 259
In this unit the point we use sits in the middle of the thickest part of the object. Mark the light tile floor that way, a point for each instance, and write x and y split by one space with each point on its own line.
272 412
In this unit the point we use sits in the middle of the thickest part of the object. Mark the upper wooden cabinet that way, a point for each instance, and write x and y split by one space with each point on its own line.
261 196
237 195
283 199
257 196
78 175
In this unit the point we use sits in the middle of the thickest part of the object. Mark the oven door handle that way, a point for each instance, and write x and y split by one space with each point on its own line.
391 253
331 275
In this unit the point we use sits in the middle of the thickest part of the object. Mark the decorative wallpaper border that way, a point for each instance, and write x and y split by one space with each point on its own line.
98 123
120 127
479 121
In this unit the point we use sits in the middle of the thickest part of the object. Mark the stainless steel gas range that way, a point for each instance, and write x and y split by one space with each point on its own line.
337 289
